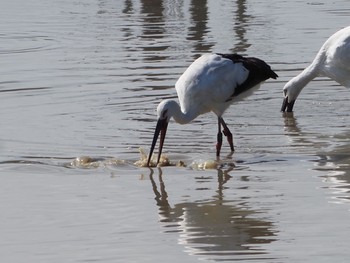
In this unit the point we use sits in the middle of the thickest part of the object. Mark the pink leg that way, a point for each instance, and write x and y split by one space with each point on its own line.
227 133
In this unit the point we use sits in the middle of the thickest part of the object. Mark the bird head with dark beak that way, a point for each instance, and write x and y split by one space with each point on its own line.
161 128
291 92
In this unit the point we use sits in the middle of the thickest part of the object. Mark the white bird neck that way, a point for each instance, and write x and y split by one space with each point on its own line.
297 83
308 74
173 110
183 117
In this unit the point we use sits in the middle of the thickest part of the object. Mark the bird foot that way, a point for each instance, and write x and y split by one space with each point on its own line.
230 154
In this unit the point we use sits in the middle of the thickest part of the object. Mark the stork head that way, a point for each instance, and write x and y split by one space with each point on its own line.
164 111
291 92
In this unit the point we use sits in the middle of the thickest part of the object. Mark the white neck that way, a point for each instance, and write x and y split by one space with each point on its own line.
172 109
296 84
182 117
306 76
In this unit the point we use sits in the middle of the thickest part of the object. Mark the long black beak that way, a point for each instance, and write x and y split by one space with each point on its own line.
287 106
161 128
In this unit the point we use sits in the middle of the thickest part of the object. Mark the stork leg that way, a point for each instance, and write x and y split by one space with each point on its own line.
219 138
227 133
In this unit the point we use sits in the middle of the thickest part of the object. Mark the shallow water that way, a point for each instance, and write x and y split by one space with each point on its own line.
83 78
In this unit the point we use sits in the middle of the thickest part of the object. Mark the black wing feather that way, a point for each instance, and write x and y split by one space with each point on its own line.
258 69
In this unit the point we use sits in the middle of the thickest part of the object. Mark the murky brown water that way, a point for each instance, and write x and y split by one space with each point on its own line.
83 78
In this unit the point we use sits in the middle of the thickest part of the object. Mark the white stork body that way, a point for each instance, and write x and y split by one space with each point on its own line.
209 73
332 60
211 83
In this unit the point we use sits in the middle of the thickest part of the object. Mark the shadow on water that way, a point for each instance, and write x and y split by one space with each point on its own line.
332 160
214 228
153 29
198 30
336 163
240 27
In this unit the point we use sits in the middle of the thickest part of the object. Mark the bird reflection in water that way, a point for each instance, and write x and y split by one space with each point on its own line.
332 161
214 228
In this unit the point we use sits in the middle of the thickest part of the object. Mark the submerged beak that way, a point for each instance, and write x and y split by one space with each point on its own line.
287 106
161 128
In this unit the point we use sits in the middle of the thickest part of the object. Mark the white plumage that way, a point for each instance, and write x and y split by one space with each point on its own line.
332 60
211 83
207 73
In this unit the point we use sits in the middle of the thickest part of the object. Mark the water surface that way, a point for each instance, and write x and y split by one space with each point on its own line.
83 78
